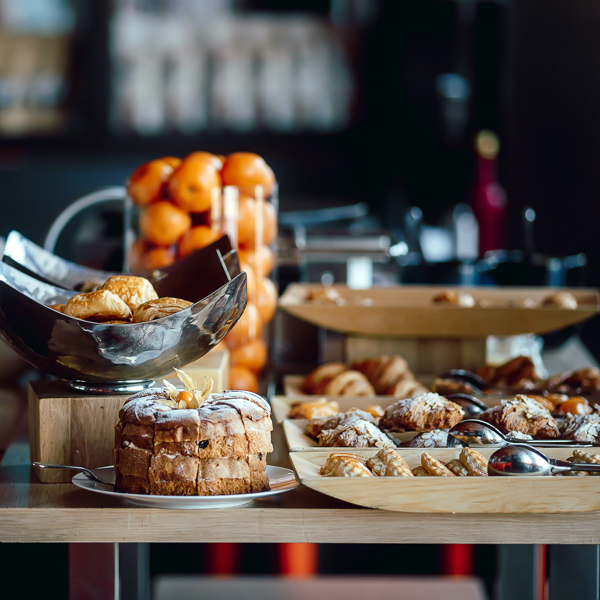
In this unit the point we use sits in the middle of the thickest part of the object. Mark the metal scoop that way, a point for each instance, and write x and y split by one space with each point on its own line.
472 406
472 432
522 459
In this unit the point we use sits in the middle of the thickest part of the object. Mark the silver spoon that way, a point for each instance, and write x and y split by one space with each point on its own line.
522 459
86 472
472 406
472 432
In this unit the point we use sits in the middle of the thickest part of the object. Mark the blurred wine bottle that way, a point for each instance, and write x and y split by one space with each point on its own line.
488 197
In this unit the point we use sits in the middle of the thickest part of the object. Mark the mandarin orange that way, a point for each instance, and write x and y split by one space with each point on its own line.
241 378
146 183
191 184
252 355
247 215
266 299
250 280
247 170
163 223
157 258
202 156
260 259
248 328
172 160
197 237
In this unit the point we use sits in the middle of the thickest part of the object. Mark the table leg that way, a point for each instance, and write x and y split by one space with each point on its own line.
92 572
134 571
574 572
518 572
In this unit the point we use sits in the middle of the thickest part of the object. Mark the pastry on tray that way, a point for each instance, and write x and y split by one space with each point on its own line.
422 413
519 372
436 438
313 409
345 465
316 381
524 415
586 380
582 428
454 297
349 383
457 468
318 424
564 300
446 386
190 442
382 372
475 463
357 434
388 463
435 467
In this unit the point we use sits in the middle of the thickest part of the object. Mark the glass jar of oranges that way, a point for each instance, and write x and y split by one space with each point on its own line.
176 206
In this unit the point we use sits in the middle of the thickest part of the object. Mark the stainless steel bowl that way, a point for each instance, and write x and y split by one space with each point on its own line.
112 358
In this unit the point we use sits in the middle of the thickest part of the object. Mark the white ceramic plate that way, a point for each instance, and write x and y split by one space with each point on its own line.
280 480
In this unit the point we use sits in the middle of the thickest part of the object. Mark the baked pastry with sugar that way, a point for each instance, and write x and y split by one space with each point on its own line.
422 413
519 372
457 468
131 289
345 465
315 426
564 300
436 438
407 387
159 308
99 306
582 428
357 434
311 410
524 415
220 447
388 463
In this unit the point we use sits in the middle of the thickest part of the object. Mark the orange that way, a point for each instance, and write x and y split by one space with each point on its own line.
157 258
266 299
247 212
266 260
201 156
197 237
247 170
172 160
146 183
241 378
163 223
248 328
253 356
191 184
250 280
221 157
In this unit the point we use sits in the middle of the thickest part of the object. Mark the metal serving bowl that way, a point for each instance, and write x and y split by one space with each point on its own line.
103 358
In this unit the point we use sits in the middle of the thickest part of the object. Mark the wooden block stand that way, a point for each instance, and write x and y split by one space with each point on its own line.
71 428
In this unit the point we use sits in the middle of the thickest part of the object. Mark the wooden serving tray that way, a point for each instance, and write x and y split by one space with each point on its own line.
409 311
556 494
298 441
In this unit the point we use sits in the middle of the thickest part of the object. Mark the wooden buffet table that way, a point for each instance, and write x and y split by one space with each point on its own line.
34 512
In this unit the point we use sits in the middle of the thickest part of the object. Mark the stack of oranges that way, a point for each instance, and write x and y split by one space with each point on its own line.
175 197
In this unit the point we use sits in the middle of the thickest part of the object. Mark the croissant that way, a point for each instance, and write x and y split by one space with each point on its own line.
99 306
316 381
132 290
349 383
383 372
157 309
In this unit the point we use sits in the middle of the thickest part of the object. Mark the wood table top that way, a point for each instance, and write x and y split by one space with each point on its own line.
35 512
